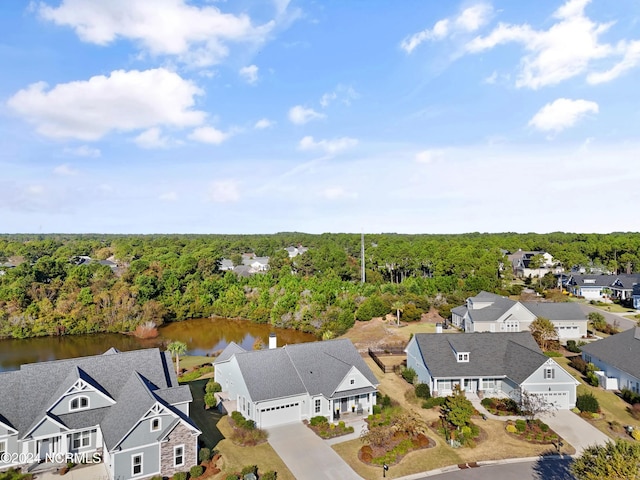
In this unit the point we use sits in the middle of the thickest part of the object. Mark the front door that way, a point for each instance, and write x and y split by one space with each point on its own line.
344 405
43 448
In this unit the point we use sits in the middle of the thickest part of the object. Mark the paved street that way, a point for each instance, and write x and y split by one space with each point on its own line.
307 455
624 323
542 469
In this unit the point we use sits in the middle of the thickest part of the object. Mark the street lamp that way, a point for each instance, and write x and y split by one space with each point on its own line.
385 467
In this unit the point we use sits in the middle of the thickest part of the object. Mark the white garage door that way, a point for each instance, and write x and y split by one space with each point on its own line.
280 414
568 331
559 399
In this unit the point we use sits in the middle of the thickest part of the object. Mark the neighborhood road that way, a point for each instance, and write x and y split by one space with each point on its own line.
624 323
542 469
307 455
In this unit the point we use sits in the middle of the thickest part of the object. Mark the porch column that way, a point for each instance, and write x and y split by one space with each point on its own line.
64 443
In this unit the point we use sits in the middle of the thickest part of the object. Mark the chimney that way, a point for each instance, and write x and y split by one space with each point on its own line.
438 328
273 341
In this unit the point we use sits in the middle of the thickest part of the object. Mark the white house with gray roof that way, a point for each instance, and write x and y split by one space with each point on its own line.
488 312
295 382
498 364
618 358
125 407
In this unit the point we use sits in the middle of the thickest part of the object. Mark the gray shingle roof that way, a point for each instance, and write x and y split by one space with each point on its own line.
621 351
492 312
626 281
515 355
556 311
592 280
316 368
228 352
129 378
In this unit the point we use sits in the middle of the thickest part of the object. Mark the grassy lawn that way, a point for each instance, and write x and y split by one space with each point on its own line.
235 457
190 361
613 307
612 406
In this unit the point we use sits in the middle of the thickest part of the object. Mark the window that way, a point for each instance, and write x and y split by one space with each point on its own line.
178 456
78 403
136 464
155 424
549 373
463 357
352 381
3 447
317 405
81 439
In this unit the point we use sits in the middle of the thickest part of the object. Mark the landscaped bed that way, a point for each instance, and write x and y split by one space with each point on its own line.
321 426
534 431
501 406
391 435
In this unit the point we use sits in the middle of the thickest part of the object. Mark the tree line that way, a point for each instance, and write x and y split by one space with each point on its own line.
165 278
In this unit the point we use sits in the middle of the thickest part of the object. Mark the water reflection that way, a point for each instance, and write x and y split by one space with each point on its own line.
202 336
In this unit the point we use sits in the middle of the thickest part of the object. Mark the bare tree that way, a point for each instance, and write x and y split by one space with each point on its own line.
533 405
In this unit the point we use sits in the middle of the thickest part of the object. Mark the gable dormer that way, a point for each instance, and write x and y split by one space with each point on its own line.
460 355
81 395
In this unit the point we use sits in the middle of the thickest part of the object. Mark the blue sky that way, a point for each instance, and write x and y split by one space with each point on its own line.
175 116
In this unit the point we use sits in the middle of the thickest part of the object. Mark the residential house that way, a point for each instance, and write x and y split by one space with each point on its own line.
125 407
488 312
498 364
635 296
295 251
618 359
622 286
521 264
591 287
283 385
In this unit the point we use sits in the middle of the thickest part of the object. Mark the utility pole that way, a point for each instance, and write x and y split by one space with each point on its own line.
362 256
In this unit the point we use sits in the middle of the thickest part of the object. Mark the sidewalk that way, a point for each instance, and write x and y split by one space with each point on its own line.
475 400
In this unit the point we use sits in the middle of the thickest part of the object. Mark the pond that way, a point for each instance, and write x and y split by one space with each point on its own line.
202 336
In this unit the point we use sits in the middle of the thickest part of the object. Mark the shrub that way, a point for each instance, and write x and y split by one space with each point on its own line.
544 427
341 424
635 411
196 471
511 428
409 374
630 396
573 347
249 469
179 476
587 403
423 390
592 379
210 399
552 353
232 476
366 449
579 364
204 454
433 402
521 425
487 402
319 420
213 387
635 433
270 475
377 409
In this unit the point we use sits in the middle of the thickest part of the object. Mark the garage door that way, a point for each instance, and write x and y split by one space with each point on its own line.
559 399
568 331
280 414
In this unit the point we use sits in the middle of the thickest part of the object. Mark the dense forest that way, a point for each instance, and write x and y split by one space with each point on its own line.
166 278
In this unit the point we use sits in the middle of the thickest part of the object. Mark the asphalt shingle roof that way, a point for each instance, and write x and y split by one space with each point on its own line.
316 368
229 351
515 355
556 311
621 351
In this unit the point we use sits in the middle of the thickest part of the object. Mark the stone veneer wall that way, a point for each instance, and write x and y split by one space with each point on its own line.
180 435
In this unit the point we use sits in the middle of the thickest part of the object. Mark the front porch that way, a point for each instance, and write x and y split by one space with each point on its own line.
354 404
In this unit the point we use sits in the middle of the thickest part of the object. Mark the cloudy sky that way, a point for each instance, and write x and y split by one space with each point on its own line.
239 116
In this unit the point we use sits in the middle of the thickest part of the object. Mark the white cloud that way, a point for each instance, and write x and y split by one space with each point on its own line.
630 58
152 138
209 135
168 197
563 51
301 115
124 101
249 74
264 123
82 151
328 146
338 193
342 93
195 35
224 191
65 169
35 189
561 114
491 79
469 20
429 156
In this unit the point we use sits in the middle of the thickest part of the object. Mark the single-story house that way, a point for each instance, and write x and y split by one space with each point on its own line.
618 357
495 364
296 382
591 287
622 287
126 408
488 312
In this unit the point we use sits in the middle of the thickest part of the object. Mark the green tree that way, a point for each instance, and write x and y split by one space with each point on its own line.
597 320
612 461
457 409
544 332
177 348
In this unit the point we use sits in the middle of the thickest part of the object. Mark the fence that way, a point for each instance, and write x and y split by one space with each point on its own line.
385 351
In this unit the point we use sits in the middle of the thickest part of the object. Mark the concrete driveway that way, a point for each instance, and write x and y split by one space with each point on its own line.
575 430
307 455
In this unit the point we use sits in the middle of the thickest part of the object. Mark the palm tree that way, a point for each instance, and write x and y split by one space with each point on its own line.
177 348
398 306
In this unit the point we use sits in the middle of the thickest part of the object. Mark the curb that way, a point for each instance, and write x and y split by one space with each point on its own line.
454 468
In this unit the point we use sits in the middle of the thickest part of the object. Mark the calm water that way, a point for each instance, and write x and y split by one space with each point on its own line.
202 336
